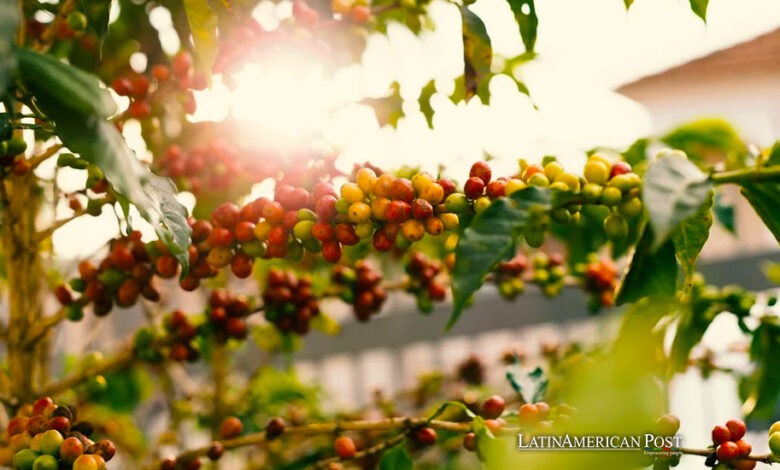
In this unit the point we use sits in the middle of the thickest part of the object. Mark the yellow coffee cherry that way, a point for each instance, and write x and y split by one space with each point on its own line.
538 180
379 208
341 6
366 178
364 230
513 185
384 185
413 230
351 192
359 212
434 226
626 181
560 185
552 170
596 172
570 180
421 180
262 229
481 204
451 243
611 196
449 220
432 193
220 256
602 159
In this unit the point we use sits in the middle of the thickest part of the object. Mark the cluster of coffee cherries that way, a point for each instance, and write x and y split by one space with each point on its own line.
600 281
289 301
356 11
362 287
213 167
181 331
227 314
45 436
730 448
471 370
141 90
508 276
12 158
774 439
96 183
424 281
613 185
121 277
549 272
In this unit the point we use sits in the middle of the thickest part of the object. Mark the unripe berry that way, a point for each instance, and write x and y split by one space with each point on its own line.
434 225
615 227
513 185
351 192
595 172
538 180
359 212
552 170
384 185
421 180
456 203
528 414
219 257
413 230
432 193
481 204
569 180
668 425
366 179
611 196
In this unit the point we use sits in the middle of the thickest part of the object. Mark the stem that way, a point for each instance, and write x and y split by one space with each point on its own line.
54 26
46 233
748 175
49 152
765 458
118 362
45 324
375 449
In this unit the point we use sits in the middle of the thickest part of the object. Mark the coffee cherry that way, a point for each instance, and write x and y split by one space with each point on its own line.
398 211
737 429
275 428
85 462
345 447
331 251
230 428
122 86
60 424
425 436
774 443
474 187
668 425
139 109
351 193
528 414
470 442
45 462
495 189
359 212
241 265
482 171
215 451
493 407
615 227
727 451
51 442
595 172
620 168
71 449
744 464
744 448
720 434
611 196
168 464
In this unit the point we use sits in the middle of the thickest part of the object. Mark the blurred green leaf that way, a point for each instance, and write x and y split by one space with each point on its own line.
673 189
203 26
425 102
491 451
477 56
637 152
774 154
53 81
9 19
690 237
650 273
388 109
693 323
765 199
700 8
525 15
97 12
706 140
397 458
724 213
764 392
628 3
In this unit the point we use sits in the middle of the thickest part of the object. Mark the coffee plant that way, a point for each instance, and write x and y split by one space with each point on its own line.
626 228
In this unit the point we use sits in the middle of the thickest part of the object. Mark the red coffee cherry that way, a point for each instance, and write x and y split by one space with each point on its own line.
60 423
122 86
345 447
241 265
720 434
41 404
493 407
737 429
331 251
220 236
482 171
474 187
620 168
226 215
244 231
528 414
230 428
167 266
727 451
275 428
744 448
139 109
168 464
495 189
215 451
105 449
470 442
425 436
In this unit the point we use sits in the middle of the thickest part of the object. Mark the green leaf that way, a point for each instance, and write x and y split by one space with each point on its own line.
525 15
693 323
673 189
637 152
490 238
397 458
97 12
490 450
774 155
724 213
705 140
477 56
388 109
765 352
9 20
628 3
69 87
425 102
203 26
457 404
700 8
691 236
765 199
98 141
650 272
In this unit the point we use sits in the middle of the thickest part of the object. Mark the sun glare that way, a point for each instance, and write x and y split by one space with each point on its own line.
286 96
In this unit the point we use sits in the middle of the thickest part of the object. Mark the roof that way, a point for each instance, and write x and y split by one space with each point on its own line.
758 55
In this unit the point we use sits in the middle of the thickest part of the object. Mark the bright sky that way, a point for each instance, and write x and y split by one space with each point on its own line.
585 48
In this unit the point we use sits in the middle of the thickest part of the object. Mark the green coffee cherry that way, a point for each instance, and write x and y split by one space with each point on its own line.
616 227
15 146
539 180
534 238
457 203
611 196
631 208
77 21
94 207
561 215
481 204
592 192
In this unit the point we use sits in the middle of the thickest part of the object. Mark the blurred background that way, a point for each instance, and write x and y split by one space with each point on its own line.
603 77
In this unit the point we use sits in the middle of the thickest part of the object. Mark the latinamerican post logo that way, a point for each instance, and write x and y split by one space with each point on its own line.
650 444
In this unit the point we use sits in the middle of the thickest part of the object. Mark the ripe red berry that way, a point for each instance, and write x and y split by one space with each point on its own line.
437 291
325 207
425 436
345 447
345 233
493 407
403 190
226 215
220 236
166 266
421 209
720 434
273 212
275 428
122 86
244 231
182 64
727 451
37 424
230 428
241 265
139 109
17 425
236 327
277 236
128 293
744 448
398 211
744 464
323 231
482 171
200 231
331 251
448 186
71 449
161 73
140 86
470 442
105 449
215 451
529 414
168 464
87 271
620 168
474 187
382 242
60 424
495 189
63 294
737 429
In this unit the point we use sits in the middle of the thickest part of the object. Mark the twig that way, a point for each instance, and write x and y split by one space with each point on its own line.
375 449
45 324
54 26
44 234
120 361
49 152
